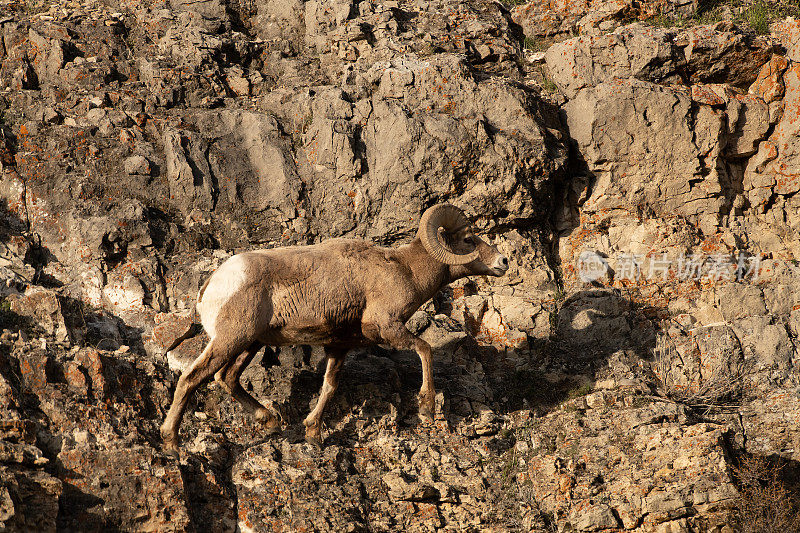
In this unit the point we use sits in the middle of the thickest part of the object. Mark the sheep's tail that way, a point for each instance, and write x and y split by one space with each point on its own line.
194 327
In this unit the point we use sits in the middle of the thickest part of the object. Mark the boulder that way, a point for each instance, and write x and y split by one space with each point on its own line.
44 309
663 154
634 51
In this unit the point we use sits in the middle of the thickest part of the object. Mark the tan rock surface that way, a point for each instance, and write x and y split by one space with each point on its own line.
143 142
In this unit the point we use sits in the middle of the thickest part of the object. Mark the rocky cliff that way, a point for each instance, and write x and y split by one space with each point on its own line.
636 370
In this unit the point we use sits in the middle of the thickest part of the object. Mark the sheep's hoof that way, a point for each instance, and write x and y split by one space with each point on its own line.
171 452
313 435
425 414
169 442
269 422
170 447
426 409
314 440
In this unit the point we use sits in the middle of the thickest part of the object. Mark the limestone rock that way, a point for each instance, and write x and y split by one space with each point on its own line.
137 164
659 56
142 144
720 53
29 500
769 83
660 129
48 52
553 19
136 488
44 308
630 52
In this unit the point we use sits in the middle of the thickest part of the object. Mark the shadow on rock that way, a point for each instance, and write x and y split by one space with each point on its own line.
592 325
596 334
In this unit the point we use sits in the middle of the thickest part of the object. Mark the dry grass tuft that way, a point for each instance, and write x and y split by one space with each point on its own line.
765 503
679 378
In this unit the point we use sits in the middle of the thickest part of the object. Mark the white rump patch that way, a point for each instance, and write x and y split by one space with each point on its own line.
225 282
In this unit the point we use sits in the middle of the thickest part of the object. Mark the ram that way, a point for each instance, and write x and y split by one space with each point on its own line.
340 294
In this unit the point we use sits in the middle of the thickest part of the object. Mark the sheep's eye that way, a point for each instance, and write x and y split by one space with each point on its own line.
469 240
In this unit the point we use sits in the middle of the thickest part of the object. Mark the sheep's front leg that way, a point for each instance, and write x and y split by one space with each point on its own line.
398 336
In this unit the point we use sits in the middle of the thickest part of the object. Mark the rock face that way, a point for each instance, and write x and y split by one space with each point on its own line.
559 19
701 54
635 370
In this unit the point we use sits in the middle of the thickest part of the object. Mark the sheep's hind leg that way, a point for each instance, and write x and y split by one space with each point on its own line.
329 384
214 356
229 378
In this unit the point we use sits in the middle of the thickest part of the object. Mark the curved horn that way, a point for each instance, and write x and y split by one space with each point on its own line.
447 217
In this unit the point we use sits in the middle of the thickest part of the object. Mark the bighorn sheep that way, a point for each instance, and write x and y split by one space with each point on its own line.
340 294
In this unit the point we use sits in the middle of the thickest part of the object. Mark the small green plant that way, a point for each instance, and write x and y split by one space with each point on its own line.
553 316
710 15
666 21
577 392
758 16
11 320
529 43
755 14
708 12
548 86
511 467
7 316
5 117
32 7
571 450
535 45
559 294
510 4
570 408
640 401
